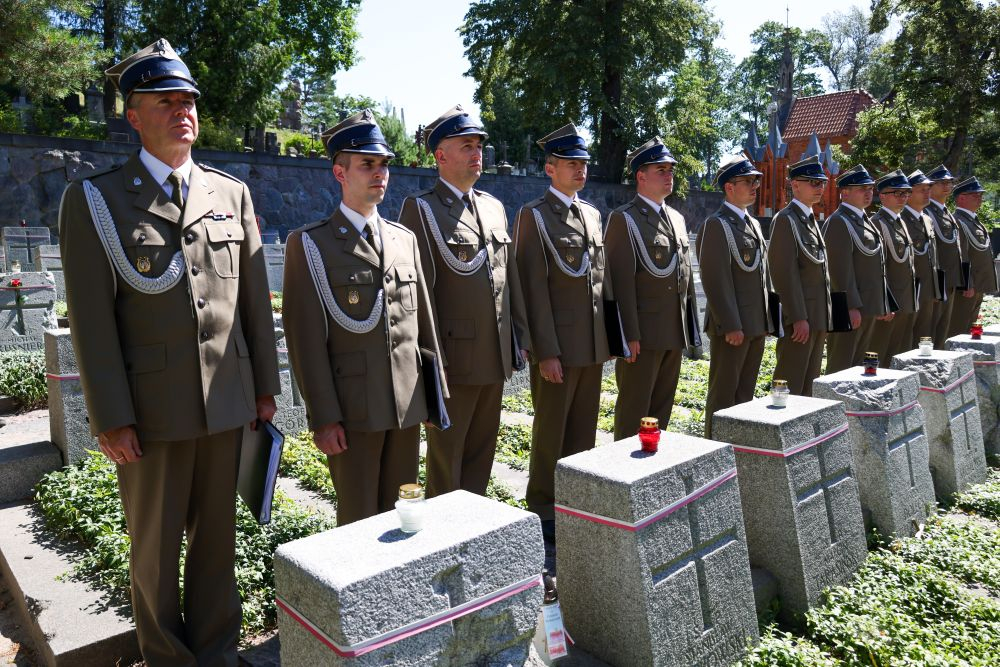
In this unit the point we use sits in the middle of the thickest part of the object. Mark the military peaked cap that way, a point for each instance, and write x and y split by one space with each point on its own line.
808 168
565 143
734 166
454 122
856 175
651 152
156 68
358 134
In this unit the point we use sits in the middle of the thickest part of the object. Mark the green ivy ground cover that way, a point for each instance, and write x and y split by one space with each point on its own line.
22 377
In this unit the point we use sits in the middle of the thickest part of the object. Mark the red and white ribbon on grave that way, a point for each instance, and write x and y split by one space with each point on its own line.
411 629
656 516
62 377
785 453
882 413
26 288
946 389
985 363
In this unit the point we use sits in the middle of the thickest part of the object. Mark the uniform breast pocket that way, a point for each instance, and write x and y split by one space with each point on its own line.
224 241
463 245
148 248
570 250
406 283
598 252
354 290
501 242
659 249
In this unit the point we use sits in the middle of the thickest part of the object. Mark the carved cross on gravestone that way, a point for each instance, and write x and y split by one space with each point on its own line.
963 411
26 302
827 480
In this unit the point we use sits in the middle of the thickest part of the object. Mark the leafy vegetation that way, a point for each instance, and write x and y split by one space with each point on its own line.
22 377
514 445
519 402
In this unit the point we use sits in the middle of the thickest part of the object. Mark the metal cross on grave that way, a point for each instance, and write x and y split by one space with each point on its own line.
829 476
19 244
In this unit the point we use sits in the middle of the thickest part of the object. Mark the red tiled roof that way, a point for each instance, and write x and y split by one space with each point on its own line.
829 115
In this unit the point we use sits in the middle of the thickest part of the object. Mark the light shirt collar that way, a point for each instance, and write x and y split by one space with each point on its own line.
359 221
967 212
569 201
892 214
458 193
741 212
861 214
937 203
160 171
914 212
656 207
807 210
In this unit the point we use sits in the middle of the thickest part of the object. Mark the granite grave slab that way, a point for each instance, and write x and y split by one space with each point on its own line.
48 260
19 245
27 303
986 360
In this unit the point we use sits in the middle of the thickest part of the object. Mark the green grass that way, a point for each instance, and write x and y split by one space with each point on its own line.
519 402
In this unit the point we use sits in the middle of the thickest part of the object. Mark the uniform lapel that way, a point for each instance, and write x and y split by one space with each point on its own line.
456 207
353 243
149 194
390 244
200 199
561 212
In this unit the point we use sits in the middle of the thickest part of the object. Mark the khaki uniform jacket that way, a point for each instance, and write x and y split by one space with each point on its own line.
653 310
737 299
565 314
187 362
367 381
852 271
474 313
973 234
899 275
949 251
802 284
925 265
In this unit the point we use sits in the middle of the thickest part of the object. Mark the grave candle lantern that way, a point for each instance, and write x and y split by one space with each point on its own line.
779 393
411 508
871 363
649 434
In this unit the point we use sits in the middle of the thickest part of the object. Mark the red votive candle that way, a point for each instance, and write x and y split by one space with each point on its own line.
649 434
871 363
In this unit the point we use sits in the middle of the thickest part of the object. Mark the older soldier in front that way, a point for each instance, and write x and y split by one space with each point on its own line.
950 258
977 248
890 337
356 312
647 246
560 256
925 265
172 328
468 260
796 258
732 256
854 249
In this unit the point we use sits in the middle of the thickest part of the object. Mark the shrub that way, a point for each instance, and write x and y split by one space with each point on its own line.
218 136
22 377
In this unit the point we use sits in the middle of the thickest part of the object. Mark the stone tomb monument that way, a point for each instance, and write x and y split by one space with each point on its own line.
953 427
274 258
986 360
652 557
68 423
291 416
19 245
27 303
801 504
48 260
889 445
465 590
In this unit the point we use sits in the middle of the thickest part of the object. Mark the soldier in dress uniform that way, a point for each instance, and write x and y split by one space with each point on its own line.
467 258
733 261
356 313
651 277
796 258
890 337
976 247
857 268
168 305
925 265
559 248
950 258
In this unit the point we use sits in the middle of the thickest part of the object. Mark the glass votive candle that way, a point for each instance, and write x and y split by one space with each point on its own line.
411 508
976 331
871 363
926 345
779 393
649 434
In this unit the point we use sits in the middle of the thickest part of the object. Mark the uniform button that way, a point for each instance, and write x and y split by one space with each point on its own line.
392 323
142 237
350 279
205 335
387 279
189 237
388 299
395 344
195 270
201 302
229 234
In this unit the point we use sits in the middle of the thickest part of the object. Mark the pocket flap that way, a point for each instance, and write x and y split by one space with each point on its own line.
220 232
458 328
461 238
661 240
501 236
144 234
344 277
146 358
568 242
348 364
406 274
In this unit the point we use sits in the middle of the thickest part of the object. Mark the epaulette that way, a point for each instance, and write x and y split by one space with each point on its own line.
672 210
312 225
422 194
624 207
401 227
535 203
483 193
99 172
219 172
584 201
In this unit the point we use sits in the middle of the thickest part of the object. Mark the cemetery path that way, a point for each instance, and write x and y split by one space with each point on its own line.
15 645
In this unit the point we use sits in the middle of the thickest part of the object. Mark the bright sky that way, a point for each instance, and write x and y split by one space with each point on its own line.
412 54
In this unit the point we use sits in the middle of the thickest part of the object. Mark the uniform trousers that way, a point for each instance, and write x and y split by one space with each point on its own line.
845 349
923 323
462 456
184 488
368 474
646 388
964 313
732 374
799 363
891 338
565 423
942 319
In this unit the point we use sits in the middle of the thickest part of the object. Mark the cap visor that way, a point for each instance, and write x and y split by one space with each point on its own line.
572 154
166 86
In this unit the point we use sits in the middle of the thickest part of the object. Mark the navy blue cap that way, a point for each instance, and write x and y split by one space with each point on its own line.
808 168
894 180
358 134
971 184
651 152
734 166
940 173
156 68
856 175
454 122
917 178
565 143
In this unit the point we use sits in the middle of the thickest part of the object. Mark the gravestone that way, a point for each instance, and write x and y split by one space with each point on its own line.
889 445
19 245
465 590
26 310
274 259
68 422
951 413
801 504
48 260
652 556
291 415
986 360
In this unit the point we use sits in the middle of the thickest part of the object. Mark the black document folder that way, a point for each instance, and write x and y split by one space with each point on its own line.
437 413
891 300
840 316
774 308
693 328
617 344
942 284
260 454
966 276
517 361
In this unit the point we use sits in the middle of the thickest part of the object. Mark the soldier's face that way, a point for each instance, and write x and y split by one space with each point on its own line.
742 190
655 181
894 199
364 180
808 191
858 196
970 201
941 189
568 176
920 195
165 120
460 159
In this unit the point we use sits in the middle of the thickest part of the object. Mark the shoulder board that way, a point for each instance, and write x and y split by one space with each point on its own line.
483 193
584 201
422 194
671 211
99 172
624 207
219 172
398 226
535 203
312 225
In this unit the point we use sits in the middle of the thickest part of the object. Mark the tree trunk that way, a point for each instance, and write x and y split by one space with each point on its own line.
953 157
109 11
612 146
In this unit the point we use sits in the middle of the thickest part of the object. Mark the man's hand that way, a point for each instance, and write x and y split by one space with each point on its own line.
120 445
524 356
800 331
855 315
633 348
886 318
551 370
969 293
265 410
331 439
735 338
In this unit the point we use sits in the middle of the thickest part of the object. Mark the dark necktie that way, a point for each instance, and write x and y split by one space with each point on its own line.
373 237
177 197
670 228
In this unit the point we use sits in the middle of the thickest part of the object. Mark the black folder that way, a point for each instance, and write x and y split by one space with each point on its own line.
774 308
693 328
942 280
891 300
516 360
840 316
617 344
966 276
437 413
260 454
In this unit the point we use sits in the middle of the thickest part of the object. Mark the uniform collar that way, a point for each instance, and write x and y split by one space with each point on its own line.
359 221
967 212
740 212
653 205
889 212
914 212
160 171
568 201
806 210
937 203
458 193
860 213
